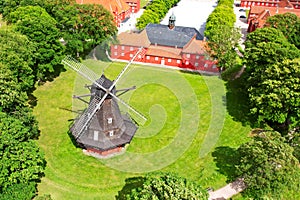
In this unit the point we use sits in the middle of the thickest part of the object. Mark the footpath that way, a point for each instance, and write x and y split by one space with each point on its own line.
228 191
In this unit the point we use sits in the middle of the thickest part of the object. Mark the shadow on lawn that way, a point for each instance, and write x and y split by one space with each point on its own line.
237 102
226 158
130 183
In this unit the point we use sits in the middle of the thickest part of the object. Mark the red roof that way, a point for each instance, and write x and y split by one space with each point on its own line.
273 10
114 6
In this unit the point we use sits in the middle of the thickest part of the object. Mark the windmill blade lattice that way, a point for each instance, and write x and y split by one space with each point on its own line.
83 121
86 117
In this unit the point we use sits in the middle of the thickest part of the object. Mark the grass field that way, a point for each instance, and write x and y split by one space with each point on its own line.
143 3
187 120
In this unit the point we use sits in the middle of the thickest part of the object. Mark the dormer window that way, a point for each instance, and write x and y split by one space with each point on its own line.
109 120
111 133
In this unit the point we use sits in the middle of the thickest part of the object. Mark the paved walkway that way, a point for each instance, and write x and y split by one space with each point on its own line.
228 191
191 13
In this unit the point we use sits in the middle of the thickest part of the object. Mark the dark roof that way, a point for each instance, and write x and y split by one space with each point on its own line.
122 127
106 83
179 36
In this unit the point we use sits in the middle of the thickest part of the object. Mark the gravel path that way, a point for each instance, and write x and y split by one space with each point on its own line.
191 13
228 191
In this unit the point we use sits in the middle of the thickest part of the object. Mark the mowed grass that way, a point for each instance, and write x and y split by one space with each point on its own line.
181 113
144 2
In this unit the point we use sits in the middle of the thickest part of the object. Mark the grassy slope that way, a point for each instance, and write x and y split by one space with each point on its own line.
72 175
143 3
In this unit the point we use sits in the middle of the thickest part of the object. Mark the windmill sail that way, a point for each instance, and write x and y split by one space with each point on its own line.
84 120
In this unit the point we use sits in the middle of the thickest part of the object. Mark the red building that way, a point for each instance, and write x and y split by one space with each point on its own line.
120 9
258 15
271 3
167 45
134 5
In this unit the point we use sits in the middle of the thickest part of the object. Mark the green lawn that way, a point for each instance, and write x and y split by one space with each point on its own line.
144 2
187 119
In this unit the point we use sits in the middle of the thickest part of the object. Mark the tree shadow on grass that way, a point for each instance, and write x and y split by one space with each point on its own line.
237 102
130 183
226 158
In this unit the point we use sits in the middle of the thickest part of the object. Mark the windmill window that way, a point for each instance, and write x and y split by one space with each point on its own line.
116 47
196 64
214 66
187 62
109 120
148 57
139 56
131 48
188 55
206 65
156 58
197 57
169 60
111 133
96 135
130 55
122 47
116 53
178 61
122 54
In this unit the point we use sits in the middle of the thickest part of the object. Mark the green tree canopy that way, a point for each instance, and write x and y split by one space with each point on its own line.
84 26
40 27
267 46
272 78
222 45
21 160
168 186
148 17
288 24
274 93
221 16
16 53
268 166
19 191
11 94
155 12
8 6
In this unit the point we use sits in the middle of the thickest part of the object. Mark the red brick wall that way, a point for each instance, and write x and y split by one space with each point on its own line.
192 61
105 153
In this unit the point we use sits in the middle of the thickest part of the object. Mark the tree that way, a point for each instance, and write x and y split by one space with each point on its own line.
154 12
267 165
19 191
288 24
267 46
293 139
16 53
11 94
167 186
147 17
8 6
222 45
21 160
271 78
274 94
84 27
40 27
221 16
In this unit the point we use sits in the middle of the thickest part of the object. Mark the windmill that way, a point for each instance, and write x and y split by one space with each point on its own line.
101 128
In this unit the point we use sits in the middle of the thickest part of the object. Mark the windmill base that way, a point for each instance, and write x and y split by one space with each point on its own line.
104 154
